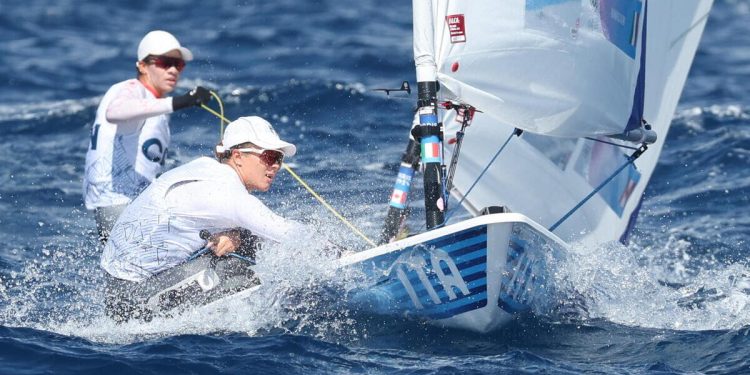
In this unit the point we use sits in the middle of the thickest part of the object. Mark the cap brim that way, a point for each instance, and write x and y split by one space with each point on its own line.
184 52
287 148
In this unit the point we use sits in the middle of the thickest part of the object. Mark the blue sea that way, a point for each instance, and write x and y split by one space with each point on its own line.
676 300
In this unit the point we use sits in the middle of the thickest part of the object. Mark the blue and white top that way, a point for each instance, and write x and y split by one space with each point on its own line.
129 141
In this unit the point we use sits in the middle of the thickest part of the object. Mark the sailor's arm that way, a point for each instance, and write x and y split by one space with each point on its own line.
253 215
130 105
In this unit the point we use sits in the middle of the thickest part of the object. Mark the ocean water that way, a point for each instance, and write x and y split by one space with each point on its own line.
674 301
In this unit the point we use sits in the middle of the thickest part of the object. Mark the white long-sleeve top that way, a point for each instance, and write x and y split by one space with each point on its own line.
161 228
129 140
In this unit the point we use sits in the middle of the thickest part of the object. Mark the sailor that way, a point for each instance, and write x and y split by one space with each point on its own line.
130 135
162 227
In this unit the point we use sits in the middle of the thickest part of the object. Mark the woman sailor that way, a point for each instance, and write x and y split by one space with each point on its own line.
162 227
130 135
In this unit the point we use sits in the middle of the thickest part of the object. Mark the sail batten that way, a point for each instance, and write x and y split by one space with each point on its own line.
636 115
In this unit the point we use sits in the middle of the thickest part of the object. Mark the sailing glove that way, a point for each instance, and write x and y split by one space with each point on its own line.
195 97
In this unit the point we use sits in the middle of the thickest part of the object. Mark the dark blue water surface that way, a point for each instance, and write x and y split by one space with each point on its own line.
677 300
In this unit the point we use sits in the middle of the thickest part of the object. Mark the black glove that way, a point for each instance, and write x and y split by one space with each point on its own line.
197 96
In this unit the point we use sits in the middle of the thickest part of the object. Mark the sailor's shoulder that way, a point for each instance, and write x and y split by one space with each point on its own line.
128 83
204 168
204 162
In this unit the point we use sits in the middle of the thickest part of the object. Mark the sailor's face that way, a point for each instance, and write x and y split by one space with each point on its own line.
163 77
258 173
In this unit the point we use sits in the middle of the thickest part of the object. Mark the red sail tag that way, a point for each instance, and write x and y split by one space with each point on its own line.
456 28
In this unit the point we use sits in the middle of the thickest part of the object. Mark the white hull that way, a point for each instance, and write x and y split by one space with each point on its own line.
474 275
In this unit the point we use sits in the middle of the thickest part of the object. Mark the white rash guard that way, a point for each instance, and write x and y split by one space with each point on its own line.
129 141
161 228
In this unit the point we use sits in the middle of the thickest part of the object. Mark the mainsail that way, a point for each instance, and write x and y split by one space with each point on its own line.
560 70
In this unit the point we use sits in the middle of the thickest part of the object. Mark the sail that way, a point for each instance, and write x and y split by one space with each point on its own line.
566 68
545 176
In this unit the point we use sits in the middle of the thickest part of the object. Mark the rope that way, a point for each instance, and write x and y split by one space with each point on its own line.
296 177
611 143
198 253
515 132
328 206
221 117
205 234
630 160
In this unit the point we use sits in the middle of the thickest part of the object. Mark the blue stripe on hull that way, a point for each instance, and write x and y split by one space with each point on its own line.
507 303
447 277
524 272
464 252
478 265
477 279
477 300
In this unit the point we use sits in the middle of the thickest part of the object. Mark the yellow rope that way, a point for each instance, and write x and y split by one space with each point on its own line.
328 206
221 119
295 175
220 116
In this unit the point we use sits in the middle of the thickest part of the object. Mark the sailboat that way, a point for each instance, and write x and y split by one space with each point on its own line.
544 120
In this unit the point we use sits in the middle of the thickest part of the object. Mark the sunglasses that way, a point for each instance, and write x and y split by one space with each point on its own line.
268 157
166 62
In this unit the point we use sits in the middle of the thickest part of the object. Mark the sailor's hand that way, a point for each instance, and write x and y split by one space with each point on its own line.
224 243
195 97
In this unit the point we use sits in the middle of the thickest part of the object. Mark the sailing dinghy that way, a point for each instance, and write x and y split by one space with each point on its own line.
552 114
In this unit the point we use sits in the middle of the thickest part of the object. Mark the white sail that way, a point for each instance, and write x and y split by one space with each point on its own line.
544 177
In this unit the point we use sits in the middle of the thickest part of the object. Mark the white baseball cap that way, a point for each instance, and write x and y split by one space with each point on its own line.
159 42
257 131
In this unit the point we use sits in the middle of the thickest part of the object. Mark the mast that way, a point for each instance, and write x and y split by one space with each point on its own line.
430 135
425 140
428 131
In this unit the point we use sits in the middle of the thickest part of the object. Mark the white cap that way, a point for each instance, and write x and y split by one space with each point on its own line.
159 42
257 131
